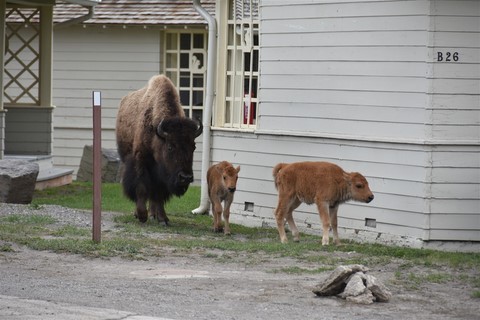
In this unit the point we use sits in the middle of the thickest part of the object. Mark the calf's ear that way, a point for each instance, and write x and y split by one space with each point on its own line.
237 169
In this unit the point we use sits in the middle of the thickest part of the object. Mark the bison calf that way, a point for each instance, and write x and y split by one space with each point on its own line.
222 183
322 183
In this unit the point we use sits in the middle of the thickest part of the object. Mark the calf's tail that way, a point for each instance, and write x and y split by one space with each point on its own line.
276 170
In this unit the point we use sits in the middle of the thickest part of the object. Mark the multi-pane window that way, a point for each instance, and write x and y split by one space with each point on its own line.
241 97
185 64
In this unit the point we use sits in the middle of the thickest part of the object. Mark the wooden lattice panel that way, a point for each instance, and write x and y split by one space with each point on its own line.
22 57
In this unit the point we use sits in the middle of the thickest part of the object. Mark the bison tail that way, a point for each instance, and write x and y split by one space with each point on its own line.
276 170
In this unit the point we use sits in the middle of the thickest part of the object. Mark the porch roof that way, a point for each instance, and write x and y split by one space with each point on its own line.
136 12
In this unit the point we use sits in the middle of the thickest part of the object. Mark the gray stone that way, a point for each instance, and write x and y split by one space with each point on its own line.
378 289
355 286
364 298
111 165
17 180
337 281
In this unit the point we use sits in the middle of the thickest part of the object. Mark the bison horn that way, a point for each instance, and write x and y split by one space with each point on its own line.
199 129
160 132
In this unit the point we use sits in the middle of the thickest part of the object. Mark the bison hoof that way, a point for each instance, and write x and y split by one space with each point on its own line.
218 230
142 219
165 223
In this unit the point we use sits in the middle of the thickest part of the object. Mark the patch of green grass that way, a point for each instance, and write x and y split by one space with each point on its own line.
79 195
107 248
6 247
298 270
67 231
33 219
476 294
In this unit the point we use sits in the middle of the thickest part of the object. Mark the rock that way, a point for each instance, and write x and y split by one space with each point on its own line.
355 286
111 165
17 180
378 289
336 282
365 298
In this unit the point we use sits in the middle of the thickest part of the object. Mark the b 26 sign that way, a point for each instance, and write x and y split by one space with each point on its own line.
448 56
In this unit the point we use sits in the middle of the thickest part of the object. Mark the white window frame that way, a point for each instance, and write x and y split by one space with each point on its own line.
183 64
238 74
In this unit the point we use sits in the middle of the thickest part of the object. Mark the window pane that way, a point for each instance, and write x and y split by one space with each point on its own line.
184 63
172 41
255 60
237 111
198 41
247 61
198 114
185 97
198 98
228 112
171 60
172 76
197 80
185 41
184 79
255 37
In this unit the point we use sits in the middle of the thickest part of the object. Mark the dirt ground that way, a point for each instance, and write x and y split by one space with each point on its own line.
197 286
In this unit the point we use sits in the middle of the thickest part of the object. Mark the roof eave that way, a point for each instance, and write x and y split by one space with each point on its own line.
87 3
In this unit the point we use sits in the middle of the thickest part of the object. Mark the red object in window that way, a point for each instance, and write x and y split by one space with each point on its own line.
248 109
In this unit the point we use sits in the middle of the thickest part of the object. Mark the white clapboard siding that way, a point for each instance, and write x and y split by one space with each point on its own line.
389 182
358 83
455 104
351 57
114 61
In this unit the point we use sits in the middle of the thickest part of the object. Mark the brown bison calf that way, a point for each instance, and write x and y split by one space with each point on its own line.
322 183
222 183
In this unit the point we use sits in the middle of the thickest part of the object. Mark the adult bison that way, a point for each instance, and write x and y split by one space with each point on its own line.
156 143
322 183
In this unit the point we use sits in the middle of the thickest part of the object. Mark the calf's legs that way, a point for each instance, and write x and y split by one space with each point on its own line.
324 212
334 224
217 215
226 215
284 210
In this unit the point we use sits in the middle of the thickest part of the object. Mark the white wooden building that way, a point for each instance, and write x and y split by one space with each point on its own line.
387 88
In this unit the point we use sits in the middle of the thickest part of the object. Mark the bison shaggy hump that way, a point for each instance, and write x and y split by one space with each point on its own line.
156 142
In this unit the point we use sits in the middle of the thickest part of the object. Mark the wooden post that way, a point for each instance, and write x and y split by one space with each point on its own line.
97 165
